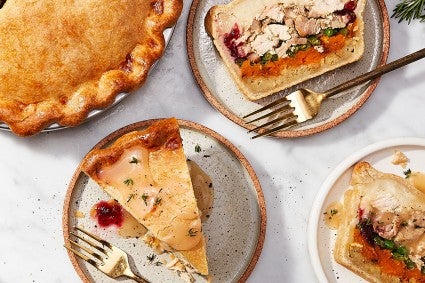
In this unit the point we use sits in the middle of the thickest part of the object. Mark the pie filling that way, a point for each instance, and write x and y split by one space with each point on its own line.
392 238
290 34
131 176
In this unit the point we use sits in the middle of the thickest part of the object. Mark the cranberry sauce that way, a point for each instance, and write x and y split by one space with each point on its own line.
348 10
230 41
366 229
108 213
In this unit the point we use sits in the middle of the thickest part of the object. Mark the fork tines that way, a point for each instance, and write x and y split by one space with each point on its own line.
90 243
285 117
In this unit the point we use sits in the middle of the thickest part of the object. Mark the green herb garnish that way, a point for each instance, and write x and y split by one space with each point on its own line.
131 196
198 148
129 182
407 173
145 198
409 10
151 257
157 201
134 160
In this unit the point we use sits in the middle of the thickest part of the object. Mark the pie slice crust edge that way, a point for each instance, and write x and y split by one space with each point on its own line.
146 172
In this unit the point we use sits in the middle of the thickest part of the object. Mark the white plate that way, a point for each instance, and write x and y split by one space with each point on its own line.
235 229
221 91
321 238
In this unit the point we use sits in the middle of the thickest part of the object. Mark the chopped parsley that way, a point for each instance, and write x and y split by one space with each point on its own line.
157 201
407 173
331 213
151 257
129 182
131 196
198 148
134 160
145 198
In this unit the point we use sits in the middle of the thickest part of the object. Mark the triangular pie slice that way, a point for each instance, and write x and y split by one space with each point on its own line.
146 172
60 59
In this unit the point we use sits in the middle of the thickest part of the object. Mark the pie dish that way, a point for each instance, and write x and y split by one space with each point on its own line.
77 57
146 172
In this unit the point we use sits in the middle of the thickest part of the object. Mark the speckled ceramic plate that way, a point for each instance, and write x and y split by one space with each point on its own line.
321 239
235 229
221 91
96 112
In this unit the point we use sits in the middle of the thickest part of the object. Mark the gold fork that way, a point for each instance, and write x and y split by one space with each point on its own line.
107 258
303 104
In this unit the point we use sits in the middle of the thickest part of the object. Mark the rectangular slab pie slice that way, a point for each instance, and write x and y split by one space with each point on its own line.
146 172
381 236
270 45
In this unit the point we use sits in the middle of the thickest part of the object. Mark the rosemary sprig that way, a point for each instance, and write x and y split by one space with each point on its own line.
409 10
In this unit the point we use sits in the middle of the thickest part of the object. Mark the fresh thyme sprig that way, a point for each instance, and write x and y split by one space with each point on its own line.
409 10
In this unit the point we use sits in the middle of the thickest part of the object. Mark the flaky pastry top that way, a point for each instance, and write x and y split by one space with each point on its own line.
60 59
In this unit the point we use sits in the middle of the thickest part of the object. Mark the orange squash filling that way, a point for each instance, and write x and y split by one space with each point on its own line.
383 258
306 57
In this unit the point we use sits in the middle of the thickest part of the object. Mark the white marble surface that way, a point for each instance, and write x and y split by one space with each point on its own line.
35 171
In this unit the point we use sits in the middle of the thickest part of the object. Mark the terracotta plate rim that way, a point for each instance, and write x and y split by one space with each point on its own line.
191 126
285 133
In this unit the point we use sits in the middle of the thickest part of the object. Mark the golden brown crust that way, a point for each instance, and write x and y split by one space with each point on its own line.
175 218
219 19
76 58
164 134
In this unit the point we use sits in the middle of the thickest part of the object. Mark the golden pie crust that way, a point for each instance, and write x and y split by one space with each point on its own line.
154 160
61 59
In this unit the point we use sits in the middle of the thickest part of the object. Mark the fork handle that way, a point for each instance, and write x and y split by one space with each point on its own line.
403 61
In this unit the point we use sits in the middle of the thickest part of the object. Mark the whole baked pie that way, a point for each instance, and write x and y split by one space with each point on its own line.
60 59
